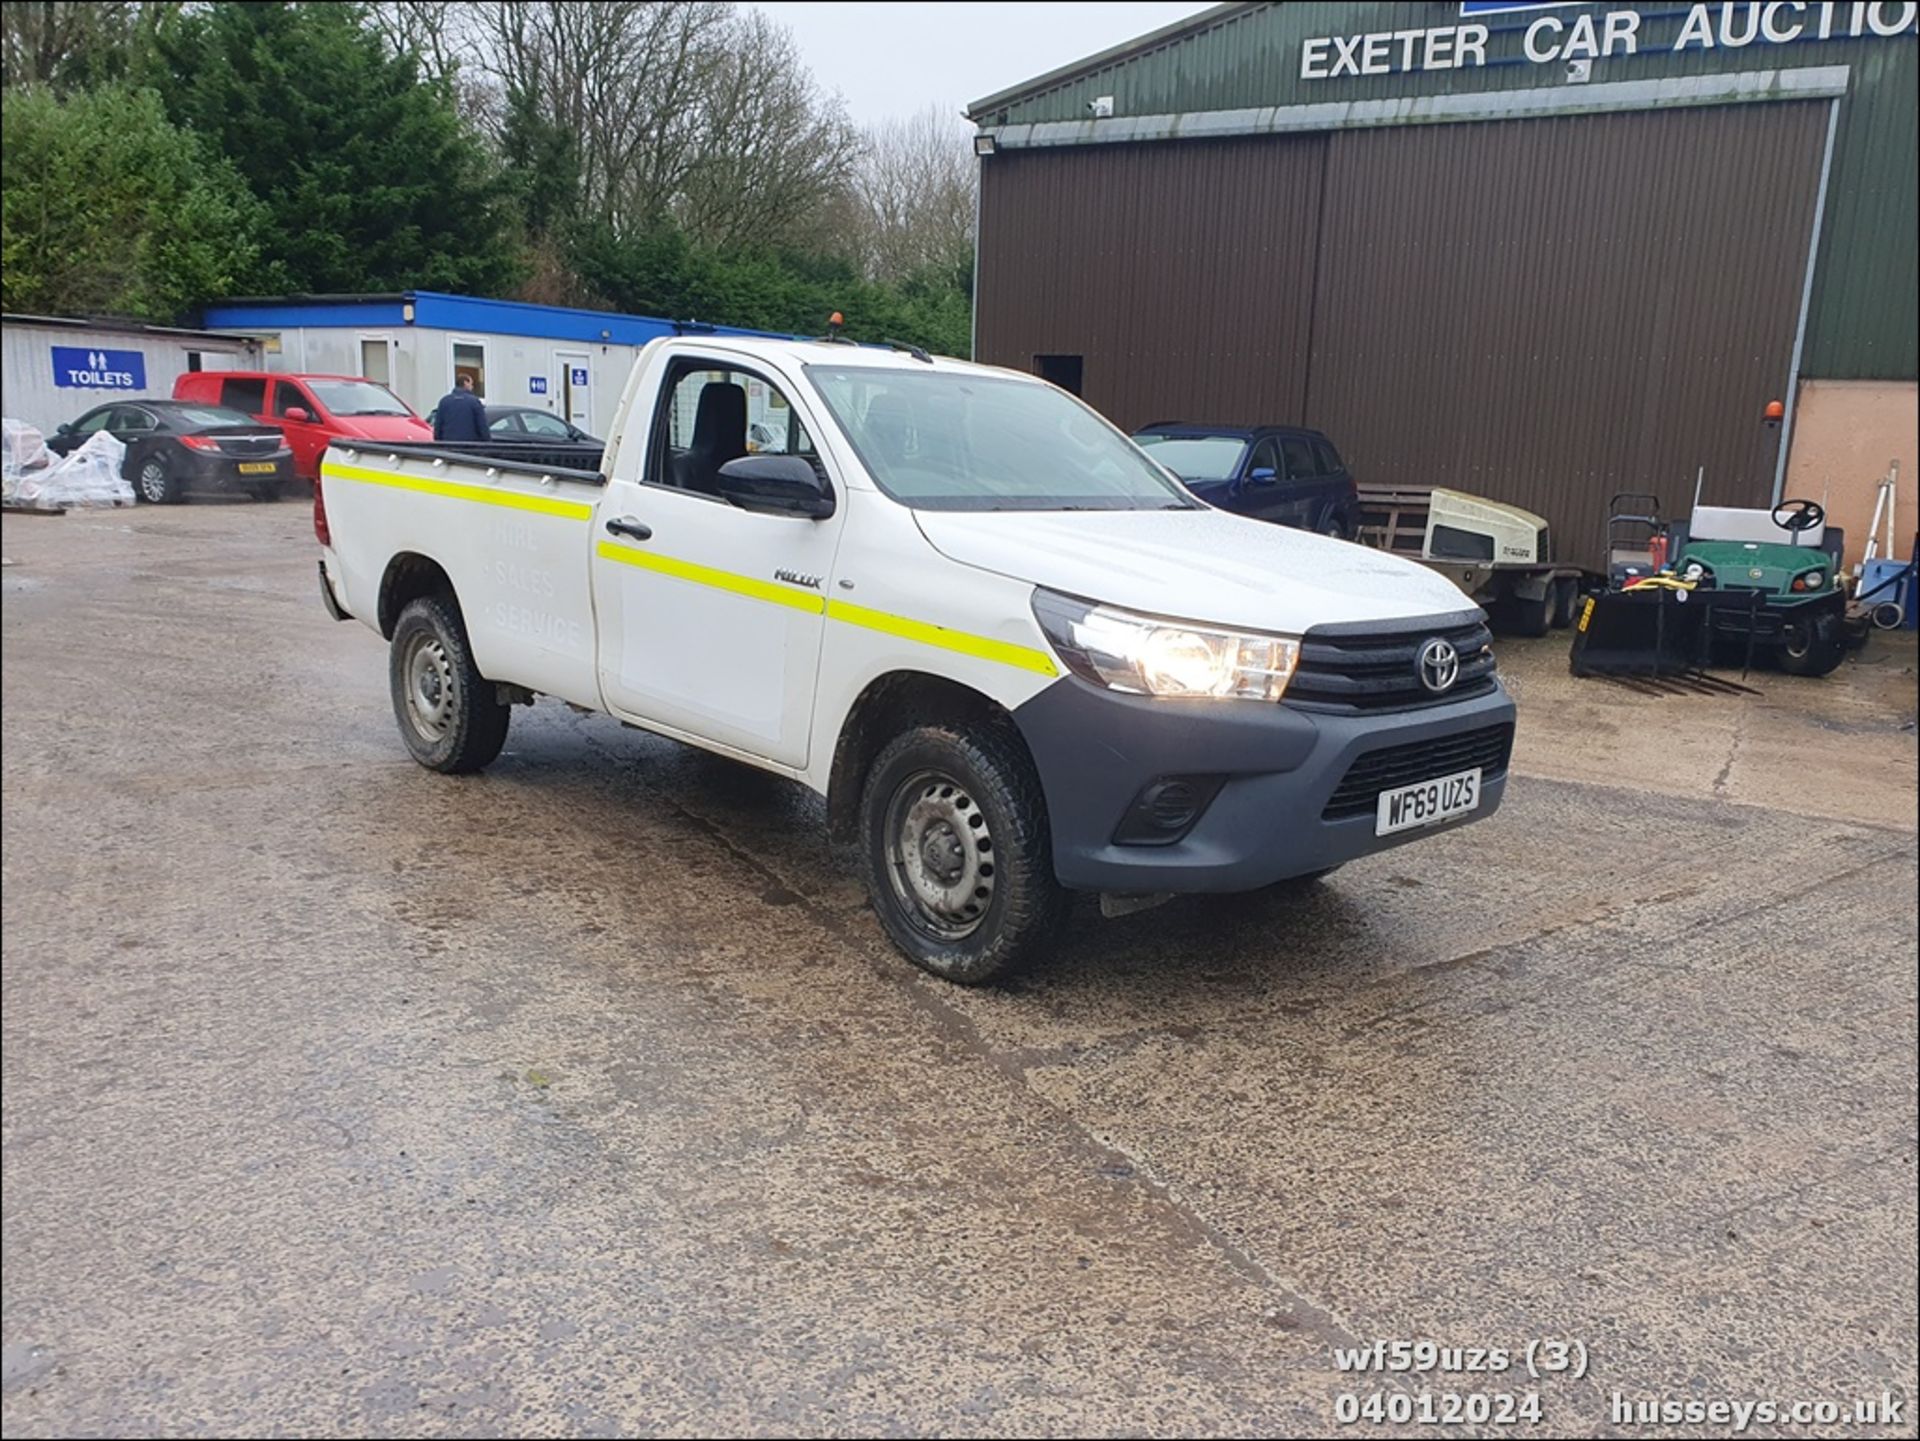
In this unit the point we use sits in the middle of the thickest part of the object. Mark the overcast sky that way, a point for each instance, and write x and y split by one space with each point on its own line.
896 58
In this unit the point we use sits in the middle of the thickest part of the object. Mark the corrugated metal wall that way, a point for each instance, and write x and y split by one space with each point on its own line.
1549 311
1543 311
1183 273
1865 321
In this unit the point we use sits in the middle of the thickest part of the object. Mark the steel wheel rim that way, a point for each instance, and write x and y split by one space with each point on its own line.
1797 638
153 480
433 694
940 857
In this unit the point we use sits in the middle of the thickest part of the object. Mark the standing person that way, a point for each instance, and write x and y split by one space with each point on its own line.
460 415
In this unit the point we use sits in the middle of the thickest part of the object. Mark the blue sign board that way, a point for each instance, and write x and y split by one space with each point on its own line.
77 368
579 375
1498 7
537 384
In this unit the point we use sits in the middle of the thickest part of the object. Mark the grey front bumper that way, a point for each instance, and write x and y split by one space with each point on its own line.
1278 767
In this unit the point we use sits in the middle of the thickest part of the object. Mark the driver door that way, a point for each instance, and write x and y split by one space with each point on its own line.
306 438
710 617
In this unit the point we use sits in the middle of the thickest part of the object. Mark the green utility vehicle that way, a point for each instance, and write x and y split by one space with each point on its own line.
1758 581
1785 558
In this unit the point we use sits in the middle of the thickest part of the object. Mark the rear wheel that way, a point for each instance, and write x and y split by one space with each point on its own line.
1528 617
959 856
1566 601
451 717
1812 646
155 482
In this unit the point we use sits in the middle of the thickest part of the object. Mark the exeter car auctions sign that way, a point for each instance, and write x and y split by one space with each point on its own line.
75 368
1550 39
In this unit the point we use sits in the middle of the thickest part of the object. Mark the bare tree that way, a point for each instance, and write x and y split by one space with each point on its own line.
56 42
915 187
773 150
437 33
697 113
624 77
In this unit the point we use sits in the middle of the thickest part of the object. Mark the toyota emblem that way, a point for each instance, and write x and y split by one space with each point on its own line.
1439 665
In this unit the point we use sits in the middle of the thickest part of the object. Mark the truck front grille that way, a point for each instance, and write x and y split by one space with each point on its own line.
1361 669
1358 793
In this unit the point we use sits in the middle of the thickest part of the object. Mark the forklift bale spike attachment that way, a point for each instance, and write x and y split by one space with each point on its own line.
1652 632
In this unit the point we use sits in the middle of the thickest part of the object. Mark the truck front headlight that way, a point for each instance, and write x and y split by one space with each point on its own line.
1144 655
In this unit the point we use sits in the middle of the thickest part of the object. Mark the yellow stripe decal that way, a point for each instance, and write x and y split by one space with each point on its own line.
455 490
718 579
1005 652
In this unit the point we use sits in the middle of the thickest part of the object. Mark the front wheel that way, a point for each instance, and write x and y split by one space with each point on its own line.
451 717
1813 646
958 852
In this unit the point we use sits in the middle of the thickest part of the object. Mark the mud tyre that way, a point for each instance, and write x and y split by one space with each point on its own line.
958 854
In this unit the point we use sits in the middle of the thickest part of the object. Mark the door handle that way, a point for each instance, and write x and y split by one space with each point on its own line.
628 526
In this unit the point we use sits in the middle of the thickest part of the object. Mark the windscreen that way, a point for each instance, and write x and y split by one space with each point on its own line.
951 440
356 397
1195 457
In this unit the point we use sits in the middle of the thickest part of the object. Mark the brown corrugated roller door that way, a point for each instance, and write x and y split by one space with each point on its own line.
1549 311
1181 273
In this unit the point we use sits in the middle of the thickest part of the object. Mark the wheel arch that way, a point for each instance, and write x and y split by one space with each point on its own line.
891 703
408 576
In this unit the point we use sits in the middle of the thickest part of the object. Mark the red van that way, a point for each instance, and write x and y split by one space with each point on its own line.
311 410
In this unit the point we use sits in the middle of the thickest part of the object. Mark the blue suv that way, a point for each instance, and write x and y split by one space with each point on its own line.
1283 473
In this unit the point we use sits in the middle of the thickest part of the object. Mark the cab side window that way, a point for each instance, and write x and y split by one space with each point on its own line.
1329 458
1266 456
287 396
88 424
132 418
1299 458
246 394
711 414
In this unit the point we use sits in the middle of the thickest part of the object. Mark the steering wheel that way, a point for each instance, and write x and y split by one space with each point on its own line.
1799 515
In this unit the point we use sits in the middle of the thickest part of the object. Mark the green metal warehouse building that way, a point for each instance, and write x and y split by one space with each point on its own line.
1541 252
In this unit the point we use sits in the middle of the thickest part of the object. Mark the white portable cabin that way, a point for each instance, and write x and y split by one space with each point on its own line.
570 363
54 369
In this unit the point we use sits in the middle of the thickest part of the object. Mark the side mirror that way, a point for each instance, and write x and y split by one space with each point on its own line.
776 485
298 412
1263 475
66 428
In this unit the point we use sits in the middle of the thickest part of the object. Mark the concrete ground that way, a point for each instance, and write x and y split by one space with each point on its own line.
584 1097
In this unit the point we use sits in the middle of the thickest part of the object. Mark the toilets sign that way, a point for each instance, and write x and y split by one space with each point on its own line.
78 369
1569 39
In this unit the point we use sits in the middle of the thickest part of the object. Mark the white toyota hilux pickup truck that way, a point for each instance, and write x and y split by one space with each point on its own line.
1015 656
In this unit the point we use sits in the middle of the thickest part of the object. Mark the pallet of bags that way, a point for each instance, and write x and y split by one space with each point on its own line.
32 478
